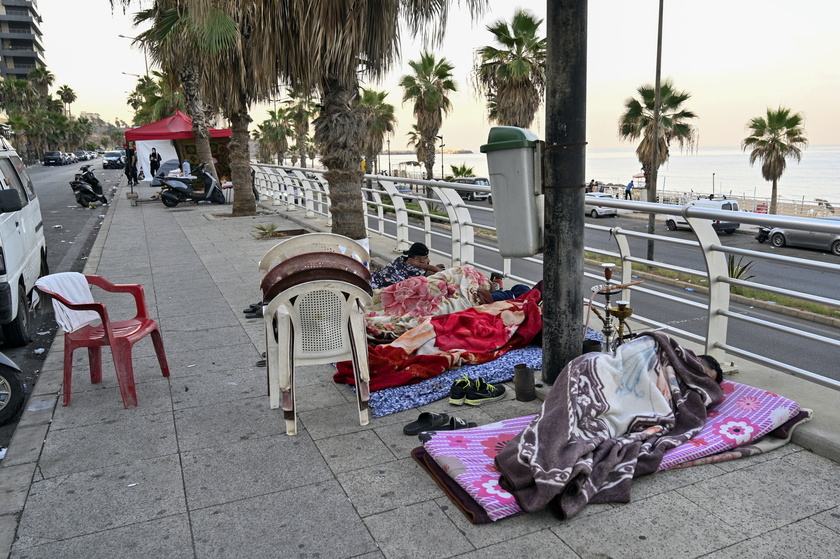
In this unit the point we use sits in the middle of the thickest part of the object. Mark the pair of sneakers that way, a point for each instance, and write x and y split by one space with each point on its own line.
474 392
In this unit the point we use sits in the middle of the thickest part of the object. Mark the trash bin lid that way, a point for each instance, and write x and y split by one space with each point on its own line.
509 137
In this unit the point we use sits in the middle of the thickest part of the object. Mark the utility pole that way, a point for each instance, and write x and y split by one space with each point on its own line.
564 184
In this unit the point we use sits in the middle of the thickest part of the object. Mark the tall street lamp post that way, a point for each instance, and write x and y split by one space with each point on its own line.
145 58
389 157
442 145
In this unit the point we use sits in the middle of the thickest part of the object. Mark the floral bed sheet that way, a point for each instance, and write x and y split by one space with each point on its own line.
467 456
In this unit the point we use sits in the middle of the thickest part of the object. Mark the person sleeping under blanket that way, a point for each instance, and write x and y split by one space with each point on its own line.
607 419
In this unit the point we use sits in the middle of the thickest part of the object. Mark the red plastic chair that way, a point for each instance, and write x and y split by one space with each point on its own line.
120 335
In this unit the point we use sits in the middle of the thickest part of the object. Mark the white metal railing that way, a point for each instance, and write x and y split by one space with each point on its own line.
438 213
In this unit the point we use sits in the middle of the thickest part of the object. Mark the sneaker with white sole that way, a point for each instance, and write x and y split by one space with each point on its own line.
481 391
458 391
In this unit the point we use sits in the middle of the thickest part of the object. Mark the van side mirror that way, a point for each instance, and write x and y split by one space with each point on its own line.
10 201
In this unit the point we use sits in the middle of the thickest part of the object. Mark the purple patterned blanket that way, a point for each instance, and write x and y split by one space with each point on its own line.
462 462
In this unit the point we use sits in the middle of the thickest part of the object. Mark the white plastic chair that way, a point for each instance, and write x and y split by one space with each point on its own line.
313 242
314 323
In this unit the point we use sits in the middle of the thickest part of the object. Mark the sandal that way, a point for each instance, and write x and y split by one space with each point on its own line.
457 423
427 421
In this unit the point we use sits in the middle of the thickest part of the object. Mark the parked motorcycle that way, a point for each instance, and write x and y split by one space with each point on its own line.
763 234
11 389
176 190
87 188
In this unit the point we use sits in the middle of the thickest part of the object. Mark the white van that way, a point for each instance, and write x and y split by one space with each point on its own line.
23 250
727 227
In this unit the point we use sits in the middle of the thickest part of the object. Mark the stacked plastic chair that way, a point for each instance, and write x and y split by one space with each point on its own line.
315 288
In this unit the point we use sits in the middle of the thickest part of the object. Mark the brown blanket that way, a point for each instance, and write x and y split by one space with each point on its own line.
607 420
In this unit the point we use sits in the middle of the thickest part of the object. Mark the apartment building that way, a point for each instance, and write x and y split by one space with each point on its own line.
21 49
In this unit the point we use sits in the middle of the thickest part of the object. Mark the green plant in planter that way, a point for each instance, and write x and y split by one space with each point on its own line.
266 230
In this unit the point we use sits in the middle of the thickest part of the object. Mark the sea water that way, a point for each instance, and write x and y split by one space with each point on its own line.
719 171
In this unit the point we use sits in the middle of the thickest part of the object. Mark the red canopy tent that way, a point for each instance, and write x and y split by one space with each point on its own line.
173 139
177 127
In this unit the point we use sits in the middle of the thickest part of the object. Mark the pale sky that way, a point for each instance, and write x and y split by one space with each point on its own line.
735 57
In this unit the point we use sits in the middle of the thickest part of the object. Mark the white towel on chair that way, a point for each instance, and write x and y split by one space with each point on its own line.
74 287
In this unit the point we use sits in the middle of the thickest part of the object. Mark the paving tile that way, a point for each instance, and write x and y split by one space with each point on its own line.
300 522
168 537
802 486
538 545
805 538
664 526
227 422
102 499
388 486
215 475
830 519
102 403
354 451
417 531
115 441
210 387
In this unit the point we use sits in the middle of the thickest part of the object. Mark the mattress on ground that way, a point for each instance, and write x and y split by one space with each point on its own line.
467 456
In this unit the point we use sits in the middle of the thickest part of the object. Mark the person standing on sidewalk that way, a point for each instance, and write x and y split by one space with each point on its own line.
130 163
154 162
628 192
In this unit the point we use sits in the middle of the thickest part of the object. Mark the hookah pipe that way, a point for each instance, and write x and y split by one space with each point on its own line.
622 312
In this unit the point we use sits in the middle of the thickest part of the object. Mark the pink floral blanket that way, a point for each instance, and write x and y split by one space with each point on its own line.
400 307
467 457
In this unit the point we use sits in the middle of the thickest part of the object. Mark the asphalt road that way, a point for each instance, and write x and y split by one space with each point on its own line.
70 232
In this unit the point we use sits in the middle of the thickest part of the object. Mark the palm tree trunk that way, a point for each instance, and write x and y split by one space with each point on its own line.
339 134
195 108
430 159
773 194
240 167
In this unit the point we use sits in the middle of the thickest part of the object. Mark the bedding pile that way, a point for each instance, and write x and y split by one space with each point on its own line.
570 455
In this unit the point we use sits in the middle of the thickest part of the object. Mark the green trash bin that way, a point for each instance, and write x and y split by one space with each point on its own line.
514 159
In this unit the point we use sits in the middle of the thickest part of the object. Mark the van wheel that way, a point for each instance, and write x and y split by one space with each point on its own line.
671 225
18 332
11 393
471 197
45 266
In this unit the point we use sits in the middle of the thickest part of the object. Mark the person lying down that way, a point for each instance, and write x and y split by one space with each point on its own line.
607 419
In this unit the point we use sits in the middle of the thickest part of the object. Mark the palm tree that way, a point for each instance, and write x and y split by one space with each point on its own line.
415 141
249 45
513 74
637 122
773 139
42 79
276 131
380 121
428 88
67 96
462 171
172 41
300 109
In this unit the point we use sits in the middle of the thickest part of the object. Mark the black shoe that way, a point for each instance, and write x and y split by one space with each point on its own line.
458 391
253 307
481 392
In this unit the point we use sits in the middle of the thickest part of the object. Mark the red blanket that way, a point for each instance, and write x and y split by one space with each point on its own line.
439 343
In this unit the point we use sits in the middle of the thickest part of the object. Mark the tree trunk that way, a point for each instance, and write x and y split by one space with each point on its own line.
240 167
339 135
195 108
773 193
430 159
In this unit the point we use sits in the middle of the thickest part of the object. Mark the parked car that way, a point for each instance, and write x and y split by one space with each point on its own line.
783 236
53 158
23 249
728 227
81 155
599 211
406 192
112 160
471 194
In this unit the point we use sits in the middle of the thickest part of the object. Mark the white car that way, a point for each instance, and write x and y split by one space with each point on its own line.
599 211
23 249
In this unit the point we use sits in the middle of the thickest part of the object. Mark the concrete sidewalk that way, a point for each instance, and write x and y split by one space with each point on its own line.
202 468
